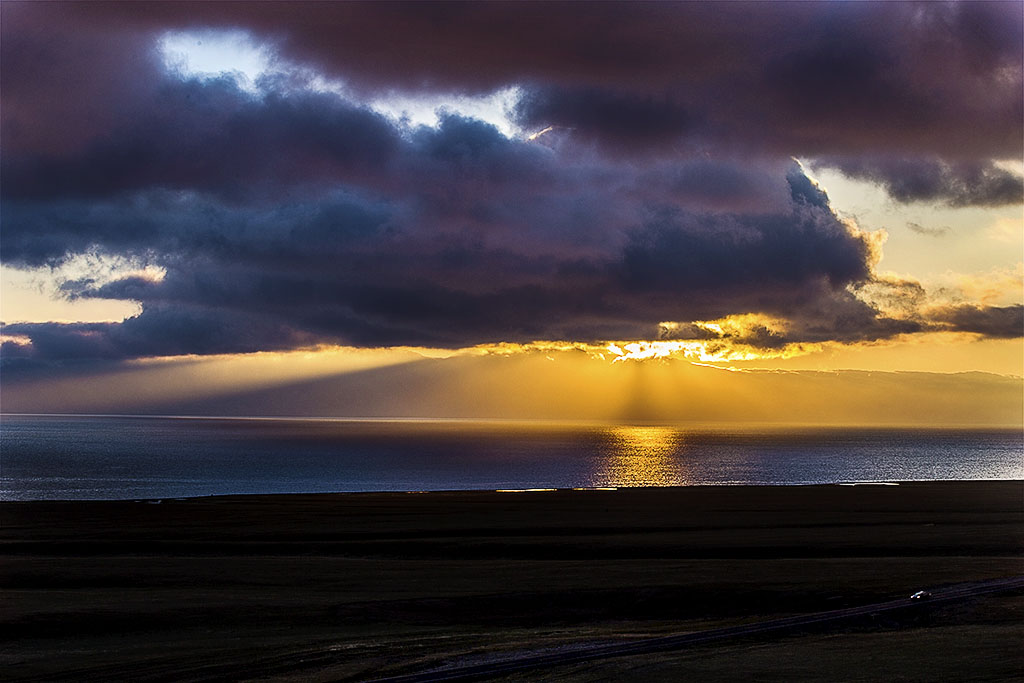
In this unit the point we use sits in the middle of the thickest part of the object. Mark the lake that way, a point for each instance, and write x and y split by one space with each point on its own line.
73 457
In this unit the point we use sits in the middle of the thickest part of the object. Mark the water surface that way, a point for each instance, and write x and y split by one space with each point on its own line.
61 457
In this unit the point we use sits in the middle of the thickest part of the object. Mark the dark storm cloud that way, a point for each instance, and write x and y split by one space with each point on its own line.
805 79
716 185
161 331
170 225
1006 322
64 83
370 274
802 79
286 216
211 135
932 180
623 121
676 254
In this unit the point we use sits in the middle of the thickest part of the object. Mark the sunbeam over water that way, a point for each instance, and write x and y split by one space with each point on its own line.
643 456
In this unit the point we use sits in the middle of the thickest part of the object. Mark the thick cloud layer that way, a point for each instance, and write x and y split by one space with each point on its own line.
285 214
803 79
428 268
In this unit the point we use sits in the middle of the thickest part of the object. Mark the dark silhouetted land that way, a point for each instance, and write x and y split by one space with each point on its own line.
357 586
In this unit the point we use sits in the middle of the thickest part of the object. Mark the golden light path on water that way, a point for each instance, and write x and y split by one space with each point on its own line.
642 456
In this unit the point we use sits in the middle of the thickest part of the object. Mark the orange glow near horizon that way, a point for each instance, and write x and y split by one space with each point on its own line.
536 383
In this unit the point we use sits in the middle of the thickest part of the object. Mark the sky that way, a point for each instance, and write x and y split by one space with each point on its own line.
205 203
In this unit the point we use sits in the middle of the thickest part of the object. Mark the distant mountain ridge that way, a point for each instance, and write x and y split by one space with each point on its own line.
561 386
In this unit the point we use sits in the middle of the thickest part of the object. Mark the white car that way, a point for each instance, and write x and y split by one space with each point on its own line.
921 595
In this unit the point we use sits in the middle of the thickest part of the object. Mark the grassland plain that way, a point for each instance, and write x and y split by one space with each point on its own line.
359 586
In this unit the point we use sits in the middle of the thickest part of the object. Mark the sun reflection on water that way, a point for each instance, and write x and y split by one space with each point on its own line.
642 456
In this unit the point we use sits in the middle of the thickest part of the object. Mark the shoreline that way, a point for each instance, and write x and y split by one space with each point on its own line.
510 491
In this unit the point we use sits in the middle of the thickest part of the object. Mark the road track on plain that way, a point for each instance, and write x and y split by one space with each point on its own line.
675 642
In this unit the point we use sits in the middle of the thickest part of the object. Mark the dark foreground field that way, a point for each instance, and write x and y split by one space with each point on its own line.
359 586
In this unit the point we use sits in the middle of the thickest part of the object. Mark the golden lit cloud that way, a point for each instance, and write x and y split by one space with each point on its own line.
715 351
540 132
745 325
874 239
741 337
724 348
19 339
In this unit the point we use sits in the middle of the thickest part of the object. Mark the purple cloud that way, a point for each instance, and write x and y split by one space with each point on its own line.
284 215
